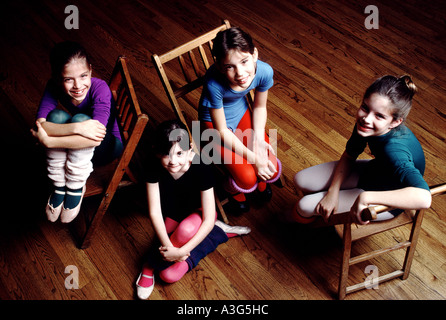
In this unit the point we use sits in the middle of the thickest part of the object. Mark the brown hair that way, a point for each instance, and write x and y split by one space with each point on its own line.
230 39
63 53
167 134
399 91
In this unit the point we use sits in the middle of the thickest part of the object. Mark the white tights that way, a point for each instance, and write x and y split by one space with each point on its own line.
315 181
69 167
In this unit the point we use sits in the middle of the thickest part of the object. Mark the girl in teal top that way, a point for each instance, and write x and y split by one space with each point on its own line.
393 178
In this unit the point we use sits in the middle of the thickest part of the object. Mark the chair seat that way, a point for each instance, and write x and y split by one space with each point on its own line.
100 179
362 231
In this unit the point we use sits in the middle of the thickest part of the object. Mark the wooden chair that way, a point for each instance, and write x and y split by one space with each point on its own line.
105 180
192 70
186 76
351 232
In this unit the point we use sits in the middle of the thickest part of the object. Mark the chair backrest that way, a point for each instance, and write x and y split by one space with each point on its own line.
131 120
128 112
181 72
105 179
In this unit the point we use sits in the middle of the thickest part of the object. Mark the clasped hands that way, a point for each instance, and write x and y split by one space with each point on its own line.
173 254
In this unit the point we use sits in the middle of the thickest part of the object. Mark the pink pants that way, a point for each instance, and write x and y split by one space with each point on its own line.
181 233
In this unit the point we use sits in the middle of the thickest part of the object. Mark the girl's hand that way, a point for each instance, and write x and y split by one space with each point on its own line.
264 167
357 208
91 129
328 205
265 171
40 134
173 254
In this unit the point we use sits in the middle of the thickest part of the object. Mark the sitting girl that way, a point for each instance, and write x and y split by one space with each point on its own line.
245 150
72 138
394 178
181 207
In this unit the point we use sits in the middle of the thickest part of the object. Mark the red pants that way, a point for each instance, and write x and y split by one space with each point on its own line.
241 171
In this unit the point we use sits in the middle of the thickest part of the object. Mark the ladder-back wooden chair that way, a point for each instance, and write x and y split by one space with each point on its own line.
105 180
352 232
187 75
182 71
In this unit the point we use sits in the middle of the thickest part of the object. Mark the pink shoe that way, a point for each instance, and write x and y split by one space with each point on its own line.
51 212
68 215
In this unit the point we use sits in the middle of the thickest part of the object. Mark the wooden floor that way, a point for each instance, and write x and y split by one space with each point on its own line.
323 58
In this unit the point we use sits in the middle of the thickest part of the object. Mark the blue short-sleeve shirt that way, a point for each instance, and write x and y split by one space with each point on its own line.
218 94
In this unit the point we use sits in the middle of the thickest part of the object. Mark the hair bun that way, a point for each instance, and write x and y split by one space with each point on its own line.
409 83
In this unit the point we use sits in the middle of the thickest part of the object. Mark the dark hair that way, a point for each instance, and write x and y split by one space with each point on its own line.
63 53
167 134
399 91
229 39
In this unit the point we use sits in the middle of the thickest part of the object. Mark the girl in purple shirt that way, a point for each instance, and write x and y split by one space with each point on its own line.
88 133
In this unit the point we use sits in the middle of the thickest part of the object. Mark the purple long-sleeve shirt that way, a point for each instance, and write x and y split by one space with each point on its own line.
98 104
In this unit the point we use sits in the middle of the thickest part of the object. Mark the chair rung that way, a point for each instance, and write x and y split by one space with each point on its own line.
381 279
370 255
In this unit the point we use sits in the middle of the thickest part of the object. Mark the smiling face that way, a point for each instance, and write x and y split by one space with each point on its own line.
374 117
178 160
239 68
76 78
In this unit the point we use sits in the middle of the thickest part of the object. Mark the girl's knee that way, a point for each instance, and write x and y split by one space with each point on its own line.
306 206
245 178
188 227
58 116
80 117
175 272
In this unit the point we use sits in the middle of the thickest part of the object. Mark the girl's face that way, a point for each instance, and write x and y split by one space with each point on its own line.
76 78
177 160
374 117
239 68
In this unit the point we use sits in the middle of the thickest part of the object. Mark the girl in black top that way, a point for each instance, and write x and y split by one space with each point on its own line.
181 207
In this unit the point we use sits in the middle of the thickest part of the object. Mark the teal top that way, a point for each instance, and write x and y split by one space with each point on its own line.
399 160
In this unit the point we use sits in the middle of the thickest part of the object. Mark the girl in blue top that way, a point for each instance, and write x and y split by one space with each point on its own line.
245 148
394 178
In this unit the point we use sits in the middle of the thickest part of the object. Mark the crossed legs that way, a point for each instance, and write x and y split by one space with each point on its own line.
314 182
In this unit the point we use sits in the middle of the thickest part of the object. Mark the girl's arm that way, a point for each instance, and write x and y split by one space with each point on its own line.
405 198
91 129
71 135
155 213
228 137
259 114
265 168
329 203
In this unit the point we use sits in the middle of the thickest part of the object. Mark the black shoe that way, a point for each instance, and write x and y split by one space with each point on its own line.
265 195
237 207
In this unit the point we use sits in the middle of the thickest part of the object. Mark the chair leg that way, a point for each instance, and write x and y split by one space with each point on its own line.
415 232
222 212
345 264
96 220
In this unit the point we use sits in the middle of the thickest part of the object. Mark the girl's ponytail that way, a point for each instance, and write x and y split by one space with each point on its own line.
409 84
